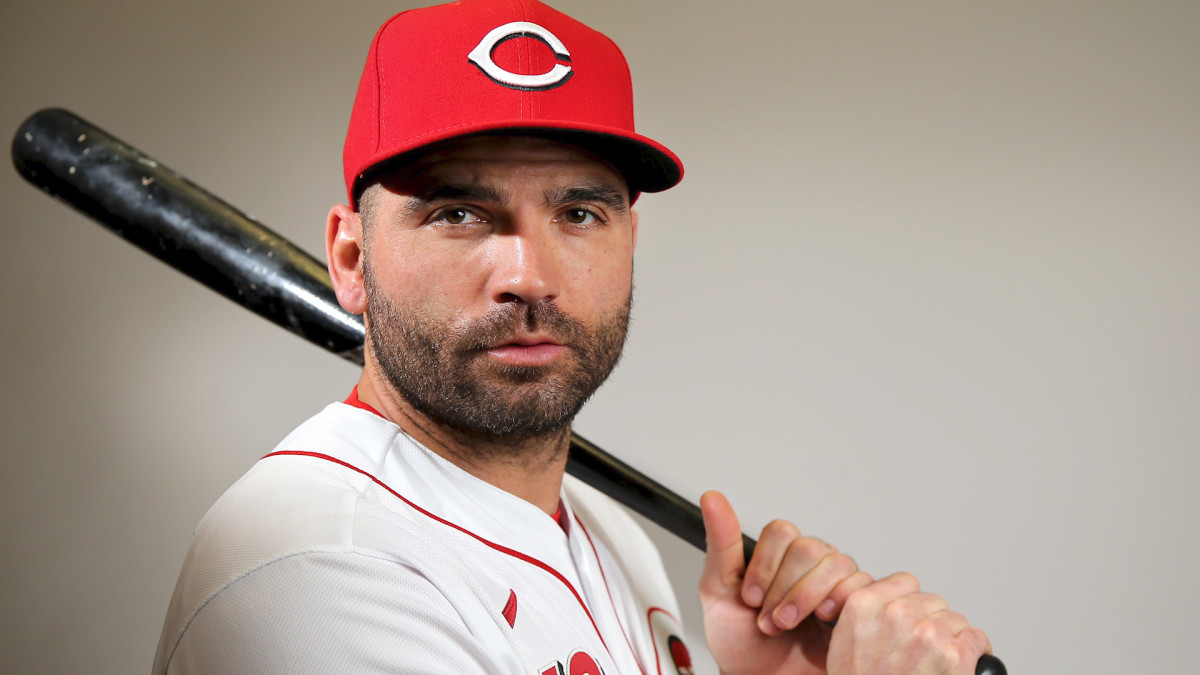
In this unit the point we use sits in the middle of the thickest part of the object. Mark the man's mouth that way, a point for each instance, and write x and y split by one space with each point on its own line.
527 351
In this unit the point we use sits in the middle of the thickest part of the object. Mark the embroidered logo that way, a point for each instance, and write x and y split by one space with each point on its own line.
510 609
669 648
557 76
680 655
579 663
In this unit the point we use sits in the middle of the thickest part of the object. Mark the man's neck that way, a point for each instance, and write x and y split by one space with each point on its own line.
531 468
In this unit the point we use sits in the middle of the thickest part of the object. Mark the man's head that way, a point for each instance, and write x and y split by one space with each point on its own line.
492 155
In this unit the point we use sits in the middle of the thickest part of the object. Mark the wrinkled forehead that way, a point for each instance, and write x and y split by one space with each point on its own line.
503 158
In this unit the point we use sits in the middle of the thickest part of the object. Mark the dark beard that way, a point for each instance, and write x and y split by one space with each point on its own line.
445 373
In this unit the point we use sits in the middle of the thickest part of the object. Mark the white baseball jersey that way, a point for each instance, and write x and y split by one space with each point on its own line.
352 548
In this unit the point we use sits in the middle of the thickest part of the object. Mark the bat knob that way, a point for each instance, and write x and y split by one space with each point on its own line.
990 665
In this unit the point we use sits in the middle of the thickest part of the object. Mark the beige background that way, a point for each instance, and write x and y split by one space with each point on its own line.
930 289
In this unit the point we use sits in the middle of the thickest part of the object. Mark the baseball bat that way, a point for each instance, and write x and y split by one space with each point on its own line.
192 230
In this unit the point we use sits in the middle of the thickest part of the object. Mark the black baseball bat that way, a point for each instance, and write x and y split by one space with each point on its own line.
192 230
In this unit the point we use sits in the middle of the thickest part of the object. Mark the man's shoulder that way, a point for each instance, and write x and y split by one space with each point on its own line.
301 495
298 512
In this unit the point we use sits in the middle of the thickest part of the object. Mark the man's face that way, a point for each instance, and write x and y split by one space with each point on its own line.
498 274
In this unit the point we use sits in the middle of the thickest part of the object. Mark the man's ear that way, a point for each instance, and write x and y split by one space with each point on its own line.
634 215
344 256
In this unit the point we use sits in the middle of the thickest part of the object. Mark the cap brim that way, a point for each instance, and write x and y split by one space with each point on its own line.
647 165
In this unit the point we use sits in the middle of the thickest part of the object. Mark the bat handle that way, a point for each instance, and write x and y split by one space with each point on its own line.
990 665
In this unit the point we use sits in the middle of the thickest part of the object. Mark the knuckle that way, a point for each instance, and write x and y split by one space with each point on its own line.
844 565
855 582
959 658
807 548
860 601
897 612
928 633
781 529
955 618
908 581
933 600
977 639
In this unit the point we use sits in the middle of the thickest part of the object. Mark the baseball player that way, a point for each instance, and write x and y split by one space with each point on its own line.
425 524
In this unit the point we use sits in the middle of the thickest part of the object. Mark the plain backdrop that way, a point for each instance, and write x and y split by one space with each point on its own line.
930 289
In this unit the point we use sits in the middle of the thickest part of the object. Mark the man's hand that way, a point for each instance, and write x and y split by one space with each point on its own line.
775 615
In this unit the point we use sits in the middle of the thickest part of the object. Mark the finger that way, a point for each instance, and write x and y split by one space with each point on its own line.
947 623
952 643
724 560
831 607
869 601
803 597
908 610
763 568
977 643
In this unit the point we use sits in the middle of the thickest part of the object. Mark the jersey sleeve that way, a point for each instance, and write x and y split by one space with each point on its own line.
324 612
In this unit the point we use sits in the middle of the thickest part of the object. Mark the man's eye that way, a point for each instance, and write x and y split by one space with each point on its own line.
457 216
581 217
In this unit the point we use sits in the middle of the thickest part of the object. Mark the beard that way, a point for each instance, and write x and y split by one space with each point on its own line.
443 370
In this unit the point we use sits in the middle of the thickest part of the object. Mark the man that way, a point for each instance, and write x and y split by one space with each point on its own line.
425 524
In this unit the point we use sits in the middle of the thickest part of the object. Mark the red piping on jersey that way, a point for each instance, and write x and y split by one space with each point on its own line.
612 602
354 401
653 641
503 549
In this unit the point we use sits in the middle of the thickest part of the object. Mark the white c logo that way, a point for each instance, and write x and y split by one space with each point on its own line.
481 56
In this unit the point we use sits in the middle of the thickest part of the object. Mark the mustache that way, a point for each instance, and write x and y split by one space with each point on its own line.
504 322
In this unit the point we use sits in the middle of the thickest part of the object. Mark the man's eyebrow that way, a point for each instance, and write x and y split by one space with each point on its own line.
600 193
424 195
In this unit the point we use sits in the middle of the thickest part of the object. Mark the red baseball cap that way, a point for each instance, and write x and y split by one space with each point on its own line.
483 66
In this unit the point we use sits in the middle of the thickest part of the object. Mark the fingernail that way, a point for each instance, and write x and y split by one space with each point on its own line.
767 625
786 615
825 609
754 596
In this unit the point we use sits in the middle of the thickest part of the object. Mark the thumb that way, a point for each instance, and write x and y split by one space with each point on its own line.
724 561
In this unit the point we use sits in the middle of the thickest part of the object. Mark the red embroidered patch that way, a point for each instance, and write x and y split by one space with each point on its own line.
510 609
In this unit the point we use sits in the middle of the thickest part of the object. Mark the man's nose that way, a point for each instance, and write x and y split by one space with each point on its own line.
527 268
